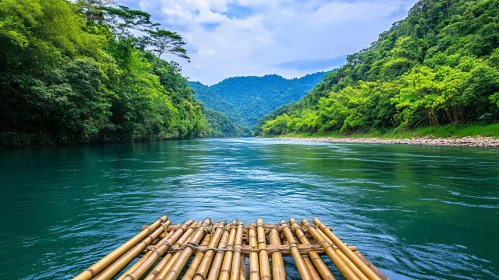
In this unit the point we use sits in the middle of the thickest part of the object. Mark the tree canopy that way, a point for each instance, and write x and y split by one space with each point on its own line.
438 66
246 99
73 72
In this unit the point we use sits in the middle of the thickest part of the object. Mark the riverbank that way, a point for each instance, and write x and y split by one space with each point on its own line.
427 140
469 136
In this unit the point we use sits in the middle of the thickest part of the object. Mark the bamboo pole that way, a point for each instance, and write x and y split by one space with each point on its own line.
300 264
135 265
125 259
253 256
186 254
338 262
342 256
236 259
217 262
147 255
118 252
191 272
205 264
262 245
166 259
226 265
314 257
278 271
313 272
361 265
158 252
161 263
162 268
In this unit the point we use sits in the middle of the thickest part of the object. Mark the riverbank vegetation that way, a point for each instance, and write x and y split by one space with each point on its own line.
82 71
445 131
437 68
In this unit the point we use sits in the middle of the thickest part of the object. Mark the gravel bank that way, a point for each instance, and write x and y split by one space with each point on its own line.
427 140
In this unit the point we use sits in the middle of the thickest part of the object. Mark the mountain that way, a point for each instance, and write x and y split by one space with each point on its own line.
222 126
439 66
246 99
214 101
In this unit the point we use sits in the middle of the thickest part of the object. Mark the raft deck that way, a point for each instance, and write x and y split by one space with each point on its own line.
205 250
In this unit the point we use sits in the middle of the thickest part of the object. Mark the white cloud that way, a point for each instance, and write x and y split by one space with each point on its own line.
250 37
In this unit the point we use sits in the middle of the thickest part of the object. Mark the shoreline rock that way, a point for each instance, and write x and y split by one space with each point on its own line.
468 141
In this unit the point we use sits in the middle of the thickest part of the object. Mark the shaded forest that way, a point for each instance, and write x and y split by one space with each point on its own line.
77 72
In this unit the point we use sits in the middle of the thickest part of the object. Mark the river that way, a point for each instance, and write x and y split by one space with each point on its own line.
416 212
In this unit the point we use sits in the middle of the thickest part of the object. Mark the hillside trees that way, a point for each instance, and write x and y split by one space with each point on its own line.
75 72
436 67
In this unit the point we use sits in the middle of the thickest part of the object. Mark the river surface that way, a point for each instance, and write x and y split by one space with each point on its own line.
416 212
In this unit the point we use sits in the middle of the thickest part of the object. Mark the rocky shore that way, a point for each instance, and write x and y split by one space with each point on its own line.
427 140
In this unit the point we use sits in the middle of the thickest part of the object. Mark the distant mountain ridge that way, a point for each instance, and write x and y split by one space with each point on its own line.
247 99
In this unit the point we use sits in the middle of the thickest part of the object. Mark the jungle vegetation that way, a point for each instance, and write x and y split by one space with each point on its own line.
437 67
247 99
77 71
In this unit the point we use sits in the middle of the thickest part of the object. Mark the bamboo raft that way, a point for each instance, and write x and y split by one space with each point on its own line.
202 250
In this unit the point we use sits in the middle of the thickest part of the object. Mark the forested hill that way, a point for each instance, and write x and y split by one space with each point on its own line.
438 66
246 99
76 71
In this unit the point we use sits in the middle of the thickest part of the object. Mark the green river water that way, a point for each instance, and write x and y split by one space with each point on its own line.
415 212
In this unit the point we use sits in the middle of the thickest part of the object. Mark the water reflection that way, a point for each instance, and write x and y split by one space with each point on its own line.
416 212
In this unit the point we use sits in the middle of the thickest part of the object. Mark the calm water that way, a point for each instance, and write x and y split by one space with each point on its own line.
415 212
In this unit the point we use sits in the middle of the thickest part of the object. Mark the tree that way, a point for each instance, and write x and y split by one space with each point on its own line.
163 41
123 19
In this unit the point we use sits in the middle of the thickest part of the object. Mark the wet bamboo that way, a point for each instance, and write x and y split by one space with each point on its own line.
162 268
278 271
118 252
314 257
342 256
166 259
236 259
253 256
262 246
217 262
330 252
141 260
359 263
205 264
186 254
227 263
191 272
300 264
162 262
313 272
158 252
128 257
135 265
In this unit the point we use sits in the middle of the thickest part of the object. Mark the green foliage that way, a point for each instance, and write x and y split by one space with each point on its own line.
247 99
212 100
73 72
164 41
439 66
222 126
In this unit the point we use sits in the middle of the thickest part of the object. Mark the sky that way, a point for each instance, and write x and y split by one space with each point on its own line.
292 38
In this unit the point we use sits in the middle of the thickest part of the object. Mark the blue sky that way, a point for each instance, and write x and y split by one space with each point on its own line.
291 38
